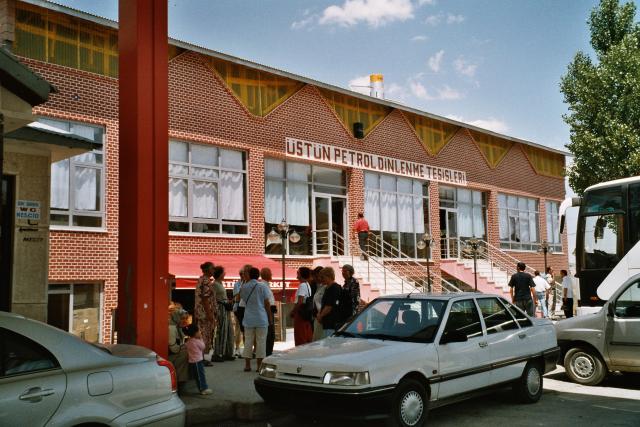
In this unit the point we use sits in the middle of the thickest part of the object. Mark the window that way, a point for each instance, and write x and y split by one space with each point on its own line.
496 318
634 214
603 241
463 317
397 208
553 226
77 184
76 308
521 318
289 187
207 189
628 304
20 355
471 208
518 222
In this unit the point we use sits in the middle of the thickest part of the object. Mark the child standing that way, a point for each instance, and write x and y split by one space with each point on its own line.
195 347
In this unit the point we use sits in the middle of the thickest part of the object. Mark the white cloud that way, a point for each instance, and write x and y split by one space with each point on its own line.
447 93
433 20
426 2
360 84
490 123
303 23
418 90
450 18
396 92
420 38
374 12
464 67
455 19
435 62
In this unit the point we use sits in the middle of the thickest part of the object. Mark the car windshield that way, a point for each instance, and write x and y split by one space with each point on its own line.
398 319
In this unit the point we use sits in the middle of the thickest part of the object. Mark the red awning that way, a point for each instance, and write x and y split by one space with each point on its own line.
186 268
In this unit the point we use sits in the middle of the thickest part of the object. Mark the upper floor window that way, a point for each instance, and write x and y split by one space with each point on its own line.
397 209
77 184
518 222
207 189
553 226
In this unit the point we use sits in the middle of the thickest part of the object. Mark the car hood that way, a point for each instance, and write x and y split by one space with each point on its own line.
341 354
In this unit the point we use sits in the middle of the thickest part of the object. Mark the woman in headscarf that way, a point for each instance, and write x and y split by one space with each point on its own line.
223 342
177 351
205 308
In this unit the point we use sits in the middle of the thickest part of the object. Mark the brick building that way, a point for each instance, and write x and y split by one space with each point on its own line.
249 146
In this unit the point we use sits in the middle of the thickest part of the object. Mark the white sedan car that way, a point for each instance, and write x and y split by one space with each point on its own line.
49 377
405 354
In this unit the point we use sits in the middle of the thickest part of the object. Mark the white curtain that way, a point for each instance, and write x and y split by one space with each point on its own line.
84 131
60 184
405 213
273 169
273 202
232 196
297 194
372 209
389 209
178 151
533 227
465 223
478 221
504 224
418 215
177 197
371 180
205 199
86 188
524 227
298 203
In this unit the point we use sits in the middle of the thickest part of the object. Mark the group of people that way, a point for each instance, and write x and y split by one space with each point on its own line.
219 321
321 304
528 291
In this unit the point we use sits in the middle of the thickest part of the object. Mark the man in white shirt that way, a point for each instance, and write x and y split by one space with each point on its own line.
567 294
542 290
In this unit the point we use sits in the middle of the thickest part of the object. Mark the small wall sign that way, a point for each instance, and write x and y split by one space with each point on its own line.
28 209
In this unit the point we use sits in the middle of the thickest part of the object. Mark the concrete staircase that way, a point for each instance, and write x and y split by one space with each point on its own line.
491 280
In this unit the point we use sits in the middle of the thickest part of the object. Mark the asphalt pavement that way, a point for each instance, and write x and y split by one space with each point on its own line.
616 402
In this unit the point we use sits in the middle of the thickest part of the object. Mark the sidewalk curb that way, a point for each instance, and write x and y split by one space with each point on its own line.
202 411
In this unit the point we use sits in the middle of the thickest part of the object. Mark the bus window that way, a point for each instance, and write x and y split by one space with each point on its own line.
605 200
603 241
634 214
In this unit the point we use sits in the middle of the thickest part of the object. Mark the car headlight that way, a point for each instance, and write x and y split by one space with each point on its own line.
268 371
346 378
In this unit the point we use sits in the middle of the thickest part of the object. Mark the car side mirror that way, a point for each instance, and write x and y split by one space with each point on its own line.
453 336
611 310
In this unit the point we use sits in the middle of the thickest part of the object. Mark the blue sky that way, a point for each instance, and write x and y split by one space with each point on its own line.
493 63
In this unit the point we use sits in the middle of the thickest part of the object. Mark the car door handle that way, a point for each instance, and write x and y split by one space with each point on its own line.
483 344
522 336
36 394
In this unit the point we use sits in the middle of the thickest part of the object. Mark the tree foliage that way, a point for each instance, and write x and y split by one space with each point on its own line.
603 96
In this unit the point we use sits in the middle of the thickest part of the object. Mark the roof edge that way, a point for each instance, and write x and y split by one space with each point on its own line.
206 51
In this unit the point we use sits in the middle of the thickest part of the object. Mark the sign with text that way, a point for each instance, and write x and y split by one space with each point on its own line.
300 149
28 209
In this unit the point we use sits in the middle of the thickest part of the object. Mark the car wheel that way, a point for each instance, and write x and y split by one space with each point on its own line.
584 366
528 387
409 405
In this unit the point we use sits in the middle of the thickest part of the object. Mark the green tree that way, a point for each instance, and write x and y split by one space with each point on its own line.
603 96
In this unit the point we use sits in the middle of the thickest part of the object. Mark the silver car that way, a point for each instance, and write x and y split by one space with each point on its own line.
595 344
49 377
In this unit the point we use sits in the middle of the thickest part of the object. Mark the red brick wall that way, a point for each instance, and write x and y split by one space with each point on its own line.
203 110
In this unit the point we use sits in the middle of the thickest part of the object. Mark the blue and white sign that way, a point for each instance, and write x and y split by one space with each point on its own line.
28 209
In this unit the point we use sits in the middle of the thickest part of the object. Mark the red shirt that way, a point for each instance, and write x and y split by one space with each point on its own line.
361 225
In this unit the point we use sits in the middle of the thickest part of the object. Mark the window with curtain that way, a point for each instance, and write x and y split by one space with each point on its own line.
553 226
288 190
471 209
77 184
397 209
518 222
207 189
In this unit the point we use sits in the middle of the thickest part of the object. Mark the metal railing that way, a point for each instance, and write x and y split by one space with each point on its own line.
504 262
381 254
